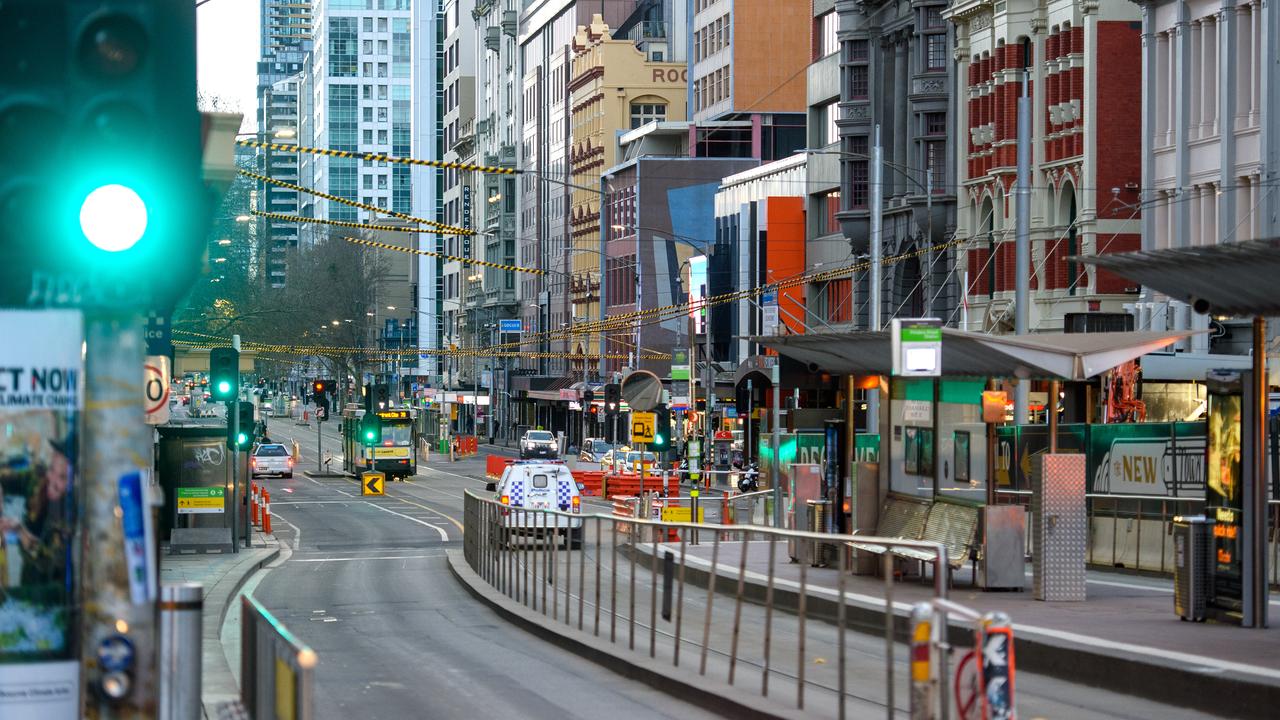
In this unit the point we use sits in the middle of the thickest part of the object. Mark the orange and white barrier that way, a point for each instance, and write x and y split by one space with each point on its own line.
253 503
266 511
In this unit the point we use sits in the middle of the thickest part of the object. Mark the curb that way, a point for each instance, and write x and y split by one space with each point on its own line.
1181 685
211 629
707 695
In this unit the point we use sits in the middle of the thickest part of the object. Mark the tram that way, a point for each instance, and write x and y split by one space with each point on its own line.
396 455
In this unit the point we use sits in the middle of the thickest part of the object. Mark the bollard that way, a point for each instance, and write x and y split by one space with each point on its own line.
266 512
668 570
253 503
181 609
995 653
924 671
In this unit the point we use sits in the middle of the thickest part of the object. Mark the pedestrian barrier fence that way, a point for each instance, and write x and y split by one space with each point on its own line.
276 669
615 575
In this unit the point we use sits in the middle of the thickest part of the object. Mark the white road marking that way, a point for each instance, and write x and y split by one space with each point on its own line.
313 502
376 557
297 531
444 537
341 492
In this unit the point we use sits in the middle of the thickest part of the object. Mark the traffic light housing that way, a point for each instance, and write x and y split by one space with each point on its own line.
320 390
224 374
240 438
101 167
661 428
370 430
612 397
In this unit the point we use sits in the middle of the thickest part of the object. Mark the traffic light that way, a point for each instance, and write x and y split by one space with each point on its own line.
320 391
371 429
661 428
381 396
244 434
224 374
101 172
612 397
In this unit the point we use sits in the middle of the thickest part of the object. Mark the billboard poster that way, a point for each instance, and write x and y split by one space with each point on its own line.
1224 496
41 397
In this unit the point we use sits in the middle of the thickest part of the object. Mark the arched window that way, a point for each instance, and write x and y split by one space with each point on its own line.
646 110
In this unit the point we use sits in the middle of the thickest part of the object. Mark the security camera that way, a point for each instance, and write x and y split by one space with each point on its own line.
1200 306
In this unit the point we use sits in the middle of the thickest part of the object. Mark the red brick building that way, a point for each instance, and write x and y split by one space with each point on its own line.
1083 61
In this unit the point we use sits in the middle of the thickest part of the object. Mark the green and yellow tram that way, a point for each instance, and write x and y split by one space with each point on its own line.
396 455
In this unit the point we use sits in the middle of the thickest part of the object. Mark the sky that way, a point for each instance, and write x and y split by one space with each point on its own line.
227 54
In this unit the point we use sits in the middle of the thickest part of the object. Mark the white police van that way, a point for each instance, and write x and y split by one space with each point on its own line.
539 485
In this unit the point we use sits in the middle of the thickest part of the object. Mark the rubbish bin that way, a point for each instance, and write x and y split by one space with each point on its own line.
1192 560
818 510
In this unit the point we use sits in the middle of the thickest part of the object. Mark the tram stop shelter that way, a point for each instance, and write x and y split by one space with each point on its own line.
936 454
1236 279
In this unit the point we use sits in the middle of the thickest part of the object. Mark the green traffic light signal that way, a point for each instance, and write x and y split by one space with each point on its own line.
242 439
658 439
113 218
224 387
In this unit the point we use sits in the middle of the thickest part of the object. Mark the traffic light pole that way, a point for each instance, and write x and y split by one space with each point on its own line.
116 443
319 453
233 417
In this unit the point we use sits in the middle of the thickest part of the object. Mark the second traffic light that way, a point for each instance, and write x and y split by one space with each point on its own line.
612 397
661 427
240 438
371 429
224 374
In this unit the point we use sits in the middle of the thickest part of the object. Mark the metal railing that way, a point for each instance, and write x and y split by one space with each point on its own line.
617 576
276 669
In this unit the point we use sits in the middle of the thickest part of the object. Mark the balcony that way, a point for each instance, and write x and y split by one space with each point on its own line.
510 22
493 37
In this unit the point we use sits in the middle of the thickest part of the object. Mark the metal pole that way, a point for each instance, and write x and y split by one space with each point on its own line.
775 471
708 377
1255 515
873 287
115 443
1022 239
233 418
603 282
181 607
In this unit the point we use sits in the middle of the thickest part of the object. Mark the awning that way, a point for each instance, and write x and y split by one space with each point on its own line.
1064 356
1229 279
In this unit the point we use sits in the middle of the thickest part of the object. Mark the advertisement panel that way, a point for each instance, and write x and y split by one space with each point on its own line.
1155 459
41 396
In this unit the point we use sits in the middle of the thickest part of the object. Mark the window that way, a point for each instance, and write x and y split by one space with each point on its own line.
933 17
935 161
382 114
858 89
382 182
644 113
367 92
367 137
382 137
342 47
367 70
839 300
859 51
540 481
832 202
382 92
366 48
367 182
367 24
824 34
382 69
368 114
382 24
935 123
935 52
858 171
830 132
382 47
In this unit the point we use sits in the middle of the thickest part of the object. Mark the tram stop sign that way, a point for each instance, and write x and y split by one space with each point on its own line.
642 390
917 347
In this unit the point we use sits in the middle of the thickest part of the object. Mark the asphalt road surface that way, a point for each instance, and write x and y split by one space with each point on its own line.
367 587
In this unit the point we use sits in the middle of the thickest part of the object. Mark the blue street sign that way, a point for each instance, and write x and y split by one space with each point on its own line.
115 653
512 325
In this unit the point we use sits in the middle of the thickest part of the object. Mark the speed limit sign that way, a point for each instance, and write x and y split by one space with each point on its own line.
155 389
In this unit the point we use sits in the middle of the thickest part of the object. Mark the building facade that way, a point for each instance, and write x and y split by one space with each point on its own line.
747 62
1209 137
897 76
285 32
1082 60
615 85
462 282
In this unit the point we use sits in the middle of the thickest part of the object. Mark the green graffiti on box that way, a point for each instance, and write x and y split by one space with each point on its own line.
1155 459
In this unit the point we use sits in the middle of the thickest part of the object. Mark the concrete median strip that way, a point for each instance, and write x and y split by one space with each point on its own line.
707 693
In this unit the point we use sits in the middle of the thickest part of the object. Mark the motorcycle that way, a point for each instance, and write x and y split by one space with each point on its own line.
750 480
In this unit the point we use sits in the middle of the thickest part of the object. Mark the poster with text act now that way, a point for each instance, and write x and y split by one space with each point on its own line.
41 396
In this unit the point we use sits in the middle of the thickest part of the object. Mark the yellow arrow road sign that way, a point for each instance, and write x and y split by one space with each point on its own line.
371 483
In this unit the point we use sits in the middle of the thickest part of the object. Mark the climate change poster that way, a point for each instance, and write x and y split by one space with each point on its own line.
41 397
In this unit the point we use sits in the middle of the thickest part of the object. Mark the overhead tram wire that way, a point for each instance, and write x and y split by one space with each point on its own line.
356 204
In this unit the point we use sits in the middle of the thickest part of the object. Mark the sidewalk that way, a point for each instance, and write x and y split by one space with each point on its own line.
221 575
1125 637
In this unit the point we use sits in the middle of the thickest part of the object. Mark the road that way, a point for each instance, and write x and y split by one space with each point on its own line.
367 587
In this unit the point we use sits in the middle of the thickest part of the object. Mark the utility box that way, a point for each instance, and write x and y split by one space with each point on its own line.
1060 527
1004 546
1192 564
194 470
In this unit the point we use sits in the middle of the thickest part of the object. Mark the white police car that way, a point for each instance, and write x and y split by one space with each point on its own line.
539 485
